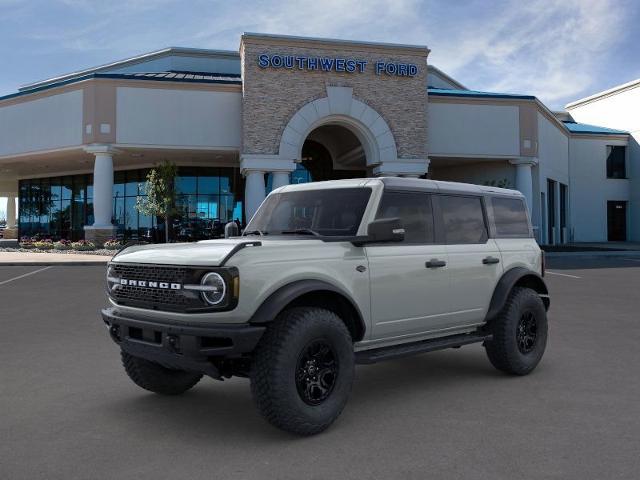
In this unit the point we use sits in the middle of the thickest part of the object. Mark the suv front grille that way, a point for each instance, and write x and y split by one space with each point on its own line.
175 300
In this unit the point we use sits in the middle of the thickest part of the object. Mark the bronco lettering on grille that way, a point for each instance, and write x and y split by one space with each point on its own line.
149 284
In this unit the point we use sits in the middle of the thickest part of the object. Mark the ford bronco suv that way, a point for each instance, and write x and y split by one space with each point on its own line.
328 275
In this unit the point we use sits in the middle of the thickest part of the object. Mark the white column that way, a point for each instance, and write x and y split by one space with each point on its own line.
280 179
253 167
102 186
524 178
11 211
254 191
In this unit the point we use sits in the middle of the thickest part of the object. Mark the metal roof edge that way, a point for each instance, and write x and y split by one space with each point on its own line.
130 61
477 94
122 76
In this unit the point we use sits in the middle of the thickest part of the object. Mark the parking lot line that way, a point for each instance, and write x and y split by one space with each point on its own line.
25 275
563 274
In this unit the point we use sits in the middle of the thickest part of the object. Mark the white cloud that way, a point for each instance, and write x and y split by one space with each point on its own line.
554 49
548 48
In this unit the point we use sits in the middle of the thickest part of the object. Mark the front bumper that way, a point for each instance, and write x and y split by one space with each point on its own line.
178 346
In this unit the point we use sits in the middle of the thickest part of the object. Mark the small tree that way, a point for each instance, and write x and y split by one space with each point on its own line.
160 193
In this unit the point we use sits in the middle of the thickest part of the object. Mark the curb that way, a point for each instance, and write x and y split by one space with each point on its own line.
614 254
54 264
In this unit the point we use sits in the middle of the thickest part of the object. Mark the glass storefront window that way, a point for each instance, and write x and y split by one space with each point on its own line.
60 207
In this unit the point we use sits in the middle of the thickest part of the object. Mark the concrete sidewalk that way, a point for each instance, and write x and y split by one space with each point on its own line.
33 258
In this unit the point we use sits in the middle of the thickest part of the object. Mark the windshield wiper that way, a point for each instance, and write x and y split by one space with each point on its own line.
301 231
255 232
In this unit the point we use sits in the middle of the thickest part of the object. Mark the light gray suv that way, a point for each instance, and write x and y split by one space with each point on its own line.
325 276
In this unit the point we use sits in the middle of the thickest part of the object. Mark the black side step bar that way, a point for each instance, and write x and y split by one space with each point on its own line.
424 346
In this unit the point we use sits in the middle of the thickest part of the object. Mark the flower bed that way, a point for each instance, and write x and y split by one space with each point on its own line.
113 244
83 245
47 245
62 245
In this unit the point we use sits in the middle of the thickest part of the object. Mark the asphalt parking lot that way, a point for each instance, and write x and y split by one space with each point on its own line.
68 411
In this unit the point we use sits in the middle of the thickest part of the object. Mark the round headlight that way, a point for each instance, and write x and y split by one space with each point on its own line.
214 288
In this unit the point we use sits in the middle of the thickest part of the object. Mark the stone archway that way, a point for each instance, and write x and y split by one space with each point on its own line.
340 108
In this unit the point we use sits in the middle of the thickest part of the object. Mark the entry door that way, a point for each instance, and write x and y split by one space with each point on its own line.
617 221
475 262
409 280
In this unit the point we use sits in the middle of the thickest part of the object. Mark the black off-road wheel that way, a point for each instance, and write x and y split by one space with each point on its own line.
156 378
519 333
303 370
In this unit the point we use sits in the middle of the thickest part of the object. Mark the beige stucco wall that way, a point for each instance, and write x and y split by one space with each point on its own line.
460 129
272 96
50 122
178 117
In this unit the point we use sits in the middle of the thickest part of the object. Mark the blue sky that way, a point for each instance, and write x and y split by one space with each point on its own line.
558 50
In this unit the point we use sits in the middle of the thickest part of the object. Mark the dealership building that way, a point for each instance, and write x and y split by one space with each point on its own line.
75 149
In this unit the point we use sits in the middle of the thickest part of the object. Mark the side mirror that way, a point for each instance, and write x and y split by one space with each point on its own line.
385 230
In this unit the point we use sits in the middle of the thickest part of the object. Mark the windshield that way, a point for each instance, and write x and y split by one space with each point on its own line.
326 212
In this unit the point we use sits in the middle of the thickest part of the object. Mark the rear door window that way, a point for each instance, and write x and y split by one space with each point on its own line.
510 217
414 211
463 219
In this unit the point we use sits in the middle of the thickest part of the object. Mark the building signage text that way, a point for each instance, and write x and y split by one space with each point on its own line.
335 64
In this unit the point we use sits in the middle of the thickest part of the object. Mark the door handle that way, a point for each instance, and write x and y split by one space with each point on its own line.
490 260
435 263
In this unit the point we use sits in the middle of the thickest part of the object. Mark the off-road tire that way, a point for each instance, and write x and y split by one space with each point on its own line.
156 378
503 350
276 365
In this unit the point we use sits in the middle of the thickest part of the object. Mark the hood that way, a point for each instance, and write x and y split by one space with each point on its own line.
206 253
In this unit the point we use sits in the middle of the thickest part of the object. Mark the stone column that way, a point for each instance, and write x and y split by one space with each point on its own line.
524 178
280 179
254 191
102 228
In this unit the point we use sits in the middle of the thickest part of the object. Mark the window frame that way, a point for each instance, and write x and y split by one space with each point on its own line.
434 221
492 217
490 232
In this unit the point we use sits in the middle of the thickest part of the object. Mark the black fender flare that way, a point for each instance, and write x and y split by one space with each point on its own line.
518 276
286 294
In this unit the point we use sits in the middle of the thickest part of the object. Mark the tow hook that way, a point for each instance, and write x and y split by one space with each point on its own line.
173 343
114 331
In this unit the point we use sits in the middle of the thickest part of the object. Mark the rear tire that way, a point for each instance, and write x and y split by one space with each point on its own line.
156 378
303 370
519 333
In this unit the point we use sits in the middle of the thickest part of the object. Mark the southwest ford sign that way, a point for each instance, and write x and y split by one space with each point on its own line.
336 64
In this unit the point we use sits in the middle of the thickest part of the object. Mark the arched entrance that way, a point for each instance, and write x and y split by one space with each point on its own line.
335 121
333 152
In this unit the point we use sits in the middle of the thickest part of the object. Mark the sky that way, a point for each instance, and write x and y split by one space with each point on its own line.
558 50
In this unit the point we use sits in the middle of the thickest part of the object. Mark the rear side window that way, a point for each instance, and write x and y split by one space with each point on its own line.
510 217
463 219
414 210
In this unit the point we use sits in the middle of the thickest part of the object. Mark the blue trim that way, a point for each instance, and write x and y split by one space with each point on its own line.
575 127
443 92
122 76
